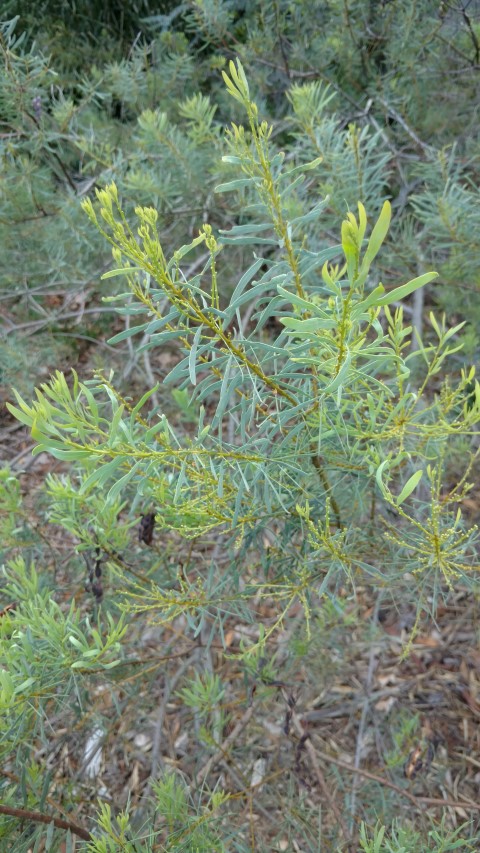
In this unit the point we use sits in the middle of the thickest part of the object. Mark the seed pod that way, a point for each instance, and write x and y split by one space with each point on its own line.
145 530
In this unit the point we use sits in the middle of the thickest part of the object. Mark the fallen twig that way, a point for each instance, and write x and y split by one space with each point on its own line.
416 801
39 817
222 750
312 754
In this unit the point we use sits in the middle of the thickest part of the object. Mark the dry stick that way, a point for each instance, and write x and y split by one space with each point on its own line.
54 318
312 754
245 790
363 718
222 750
38 817
51 802
148 370
473 35
21 454
208 662
401 121
157 738
416 801
417 316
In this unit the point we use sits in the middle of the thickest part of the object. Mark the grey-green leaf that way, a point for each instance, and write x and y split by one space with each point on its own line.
409 486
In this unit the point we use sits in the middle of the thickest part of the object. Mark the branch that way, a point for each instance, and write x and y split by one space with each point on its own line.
223 748
328 794
416 801
473 35
401 121
326 485
39 817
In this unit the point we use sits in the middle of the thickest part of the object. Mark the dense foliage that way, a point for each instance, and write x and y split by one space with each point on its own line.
306 442
398 121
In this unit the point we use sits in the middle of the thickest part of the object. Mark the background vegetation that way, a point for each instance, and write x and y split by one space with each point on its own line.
301 618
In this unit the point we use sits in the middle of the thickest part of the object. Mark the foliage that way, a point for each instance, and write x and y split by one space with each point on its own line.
56 146
404 840
385 93
307 448
71 31
330 435
188 828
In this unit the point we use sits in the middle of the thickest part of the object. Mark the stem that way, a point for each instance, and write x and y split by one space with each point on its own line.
39 817
326 485
416 801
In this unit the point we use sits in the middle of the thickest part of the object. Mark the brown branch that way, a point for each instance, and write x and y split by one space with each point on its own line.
328 794
222 751
416 801
473 36
39 817
55 156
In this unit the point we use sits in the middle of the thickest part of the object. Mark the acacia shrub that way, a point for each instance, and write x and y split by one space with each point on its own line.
328 438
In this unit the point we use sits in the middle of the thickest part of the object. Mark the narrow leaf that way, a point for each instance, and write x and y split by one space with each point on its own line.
144 399
409 486
119 485
246 278
101 474
251 228
378 235
127 333
124 271
192 364
303 167
406 289
20 416
379 477
234 185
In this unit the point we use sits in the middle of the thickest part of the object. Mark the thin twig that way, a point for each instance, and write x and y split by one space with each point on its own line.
247 790
416 801
363 718
39 817
326 485
473 35
54 318
24 452
157 762
222 750
157 738
401 121
417 315
312 754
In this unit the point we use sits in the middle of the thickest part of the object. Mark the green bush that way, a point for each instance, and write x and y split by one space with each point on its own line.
328 436
132 98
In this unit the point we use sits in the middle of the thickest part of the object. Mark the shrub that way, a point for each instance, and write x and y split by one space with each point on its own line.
314 453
